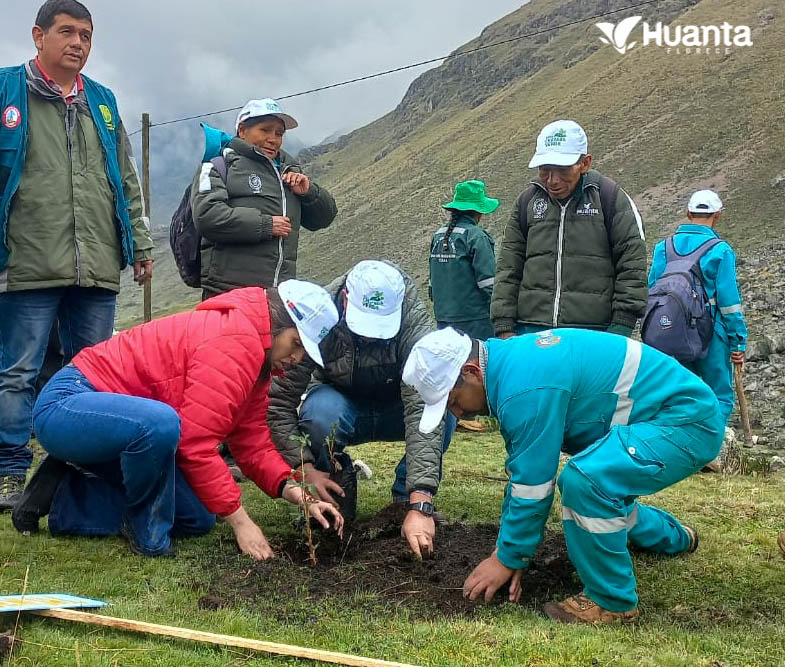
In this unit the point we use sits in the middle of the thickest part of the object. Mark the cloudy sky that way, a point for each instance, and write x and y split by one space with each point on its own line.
179 57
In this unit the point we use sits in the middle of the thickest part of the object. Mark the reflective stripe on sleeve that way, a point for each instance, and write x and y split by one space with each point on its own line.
535 492
204 177
727 310
485 283
632 361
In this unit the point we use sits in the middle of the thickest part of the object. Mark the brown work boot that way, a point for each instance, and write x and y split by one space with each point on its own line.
693 533
470 425
781 542
580 609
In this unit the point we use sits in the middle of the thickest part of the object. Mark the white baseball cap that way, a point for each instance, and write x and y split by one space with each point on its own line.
265 107
374 299
432 368
704 201
560 143
313 312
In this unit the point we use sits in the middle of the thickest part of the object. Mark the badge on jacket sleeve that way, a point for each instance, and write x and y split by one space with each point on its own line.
12 117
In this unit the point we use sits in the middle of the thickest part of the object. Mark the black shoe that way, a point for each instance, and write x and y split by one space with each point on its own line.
36 500
169 552
11 487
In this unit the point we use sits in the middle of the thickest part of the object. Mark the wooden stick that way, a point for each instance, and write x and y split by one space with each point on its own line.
745 413
212 638
147 298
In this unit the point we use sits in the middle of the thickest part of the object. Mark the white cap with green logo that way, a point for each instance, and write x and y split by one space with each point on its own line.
313 312
265 107
374 305
432 368
560 143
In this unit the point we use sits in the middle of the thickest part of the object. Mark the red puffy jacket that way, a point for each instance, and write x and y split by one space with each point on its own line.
205 364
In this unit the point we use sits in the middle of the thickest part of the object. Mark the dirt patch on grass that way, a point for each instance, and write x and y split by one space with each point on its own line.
373 567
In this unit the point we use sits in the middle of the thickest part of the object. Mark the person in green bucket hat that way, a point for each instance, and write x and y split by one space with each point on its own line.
463 263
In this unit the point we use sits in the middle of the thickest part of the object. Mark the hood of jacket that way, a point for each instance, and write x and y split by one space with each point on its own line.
251 302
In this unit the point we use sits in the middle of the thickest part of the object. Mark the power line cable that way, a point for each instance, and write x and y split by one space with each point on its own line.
412 65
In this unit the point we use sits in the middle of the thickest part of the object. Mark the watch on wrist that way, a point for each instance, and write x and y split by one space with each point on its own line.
423 507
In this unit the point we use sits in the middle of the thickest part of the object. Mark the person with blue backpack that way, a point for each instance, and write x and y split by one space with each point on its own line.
71 218
694 272
633 422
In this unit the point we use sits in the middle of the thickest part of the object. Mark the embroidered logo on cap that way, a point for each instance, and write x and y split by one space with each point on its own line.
556 139
374 300
12 117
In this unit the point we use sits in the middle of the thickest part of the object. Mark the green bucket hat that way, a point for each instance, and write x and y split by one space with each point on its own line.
470 196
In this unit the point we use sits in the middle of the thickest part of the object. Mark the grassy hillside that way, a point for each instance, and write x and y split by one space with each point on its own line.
661 124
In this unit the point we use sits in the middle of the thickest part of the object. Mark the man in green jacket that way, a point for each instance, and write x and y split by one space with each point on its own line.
573 253
71 218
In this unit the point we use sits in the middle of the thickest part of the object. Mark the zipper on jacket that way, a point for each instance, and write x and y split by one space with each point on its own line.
559 251
68 129
280 238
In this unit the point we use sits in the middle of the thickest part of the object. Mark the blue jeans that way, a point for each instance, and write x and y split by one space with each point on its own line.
126 447
85 316
358 421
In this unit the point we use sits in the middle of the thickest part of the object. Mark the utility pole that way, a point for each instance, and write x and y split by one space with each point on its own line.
148 284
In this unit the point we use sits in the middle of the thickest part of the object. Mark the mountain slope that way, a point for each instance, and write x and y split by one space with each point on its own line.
661 124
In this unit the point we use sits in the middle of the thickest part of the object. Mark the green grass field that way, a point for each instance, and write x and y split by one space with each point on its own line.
723 606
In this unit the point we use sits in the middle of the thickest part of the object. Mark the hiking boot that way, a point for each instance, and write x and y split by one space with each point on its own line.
37 496
693 533
580 609
781 542
11 487
470 425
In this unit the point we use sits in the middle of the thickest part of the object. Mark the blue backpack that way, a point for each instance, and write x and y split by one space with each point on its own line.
679 320
184 238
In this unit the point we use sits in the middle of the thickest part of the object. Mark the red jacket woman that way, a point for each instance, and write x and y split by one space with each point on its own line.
174 389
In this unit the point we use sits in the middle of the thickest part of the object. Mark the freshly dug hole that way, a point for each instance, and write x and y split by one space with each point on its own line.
374 560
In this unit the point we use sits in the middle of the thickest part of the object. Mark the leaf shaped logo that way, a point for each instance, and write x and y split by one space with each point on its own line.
617 35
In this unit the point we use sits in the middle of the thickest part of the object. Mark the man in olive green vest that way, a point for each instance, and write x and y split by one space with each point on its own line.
71 218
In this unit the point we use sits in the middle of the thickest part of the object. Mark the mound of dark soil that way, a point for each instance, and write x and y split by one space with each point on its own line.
374 561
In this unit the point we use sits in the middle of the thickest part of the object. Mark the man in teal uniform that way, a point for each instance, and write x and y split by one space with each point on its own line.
718 273
633 420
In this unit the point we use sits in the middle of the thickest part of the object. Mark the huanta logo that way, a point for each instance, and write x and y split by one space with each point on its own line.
699 39
619 34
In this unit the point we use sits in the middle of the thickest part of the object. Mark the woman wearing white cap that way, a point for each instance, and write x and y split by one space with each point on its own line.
126 410
249 216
